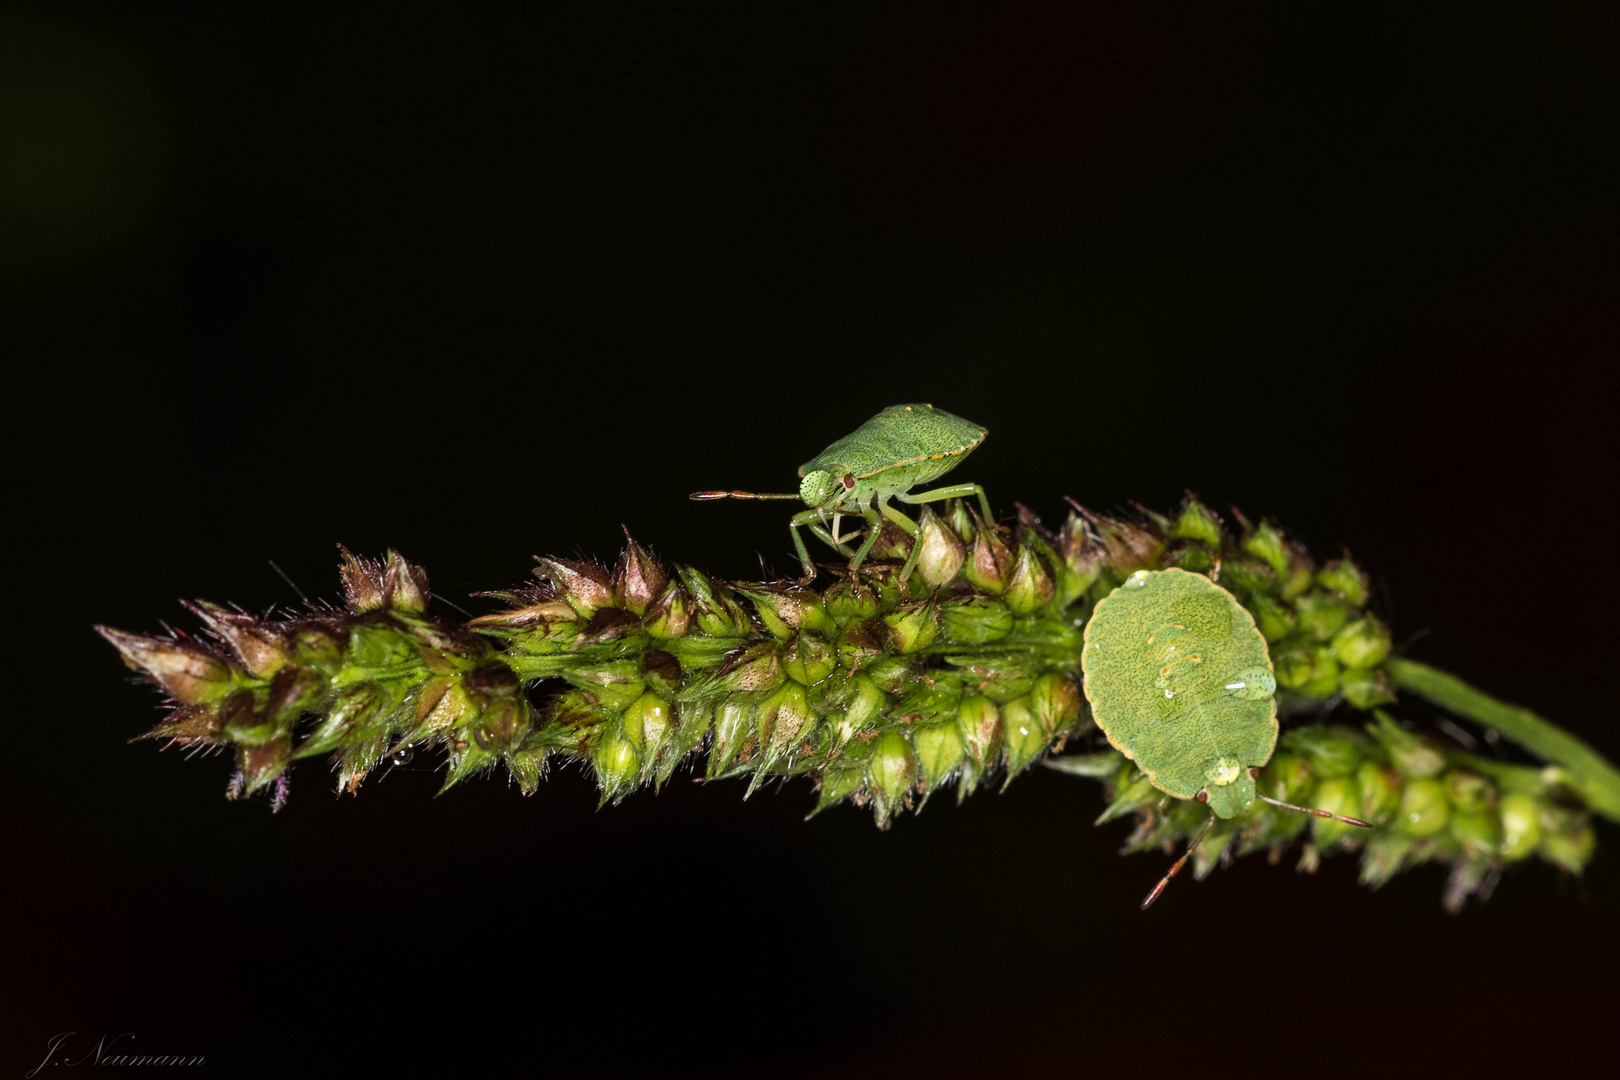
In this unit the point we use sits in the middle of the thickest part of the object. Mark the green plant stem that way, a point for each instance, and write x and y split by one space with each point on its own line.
1589 773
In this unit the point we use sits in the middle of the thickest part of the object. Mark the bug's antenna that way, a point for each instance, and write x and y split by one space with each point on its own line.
1179 863
1312 810
710 496
1255 774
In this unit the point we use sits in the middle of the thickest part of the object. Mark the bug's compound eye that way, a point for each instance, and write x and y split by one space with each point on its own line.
1203 795
1254 772
849 481
817 487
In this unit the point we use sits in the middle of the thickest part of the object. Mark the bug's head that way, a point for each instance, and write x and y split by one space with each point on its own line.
818 487
1230 787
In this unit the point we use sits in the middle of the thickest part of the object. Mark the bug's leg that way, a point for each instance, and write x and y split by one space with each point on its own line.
1176 869
814 519
910 567
827 538
805 564
896 516
831 540
953 491
916 544
810 518
817 521
874 526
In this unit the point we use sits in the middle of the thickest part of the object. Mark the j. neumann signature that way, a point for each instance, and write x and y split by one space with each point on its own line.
115 1050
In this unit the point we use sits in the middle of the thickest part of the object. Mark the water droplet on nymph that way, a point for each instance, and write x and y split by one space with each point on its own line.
1251 684
402 756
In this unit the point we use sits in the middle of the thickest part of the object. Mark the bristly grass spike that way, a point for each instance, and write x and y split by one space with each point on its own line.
883 459
1180 680
880 699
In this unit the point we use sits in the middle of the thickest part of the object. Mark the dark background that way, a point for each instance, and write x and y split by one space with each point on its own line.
482 286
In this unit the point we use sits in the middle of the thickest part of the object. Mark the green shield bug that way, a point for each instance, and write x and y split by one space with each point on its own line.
1181 682
883 459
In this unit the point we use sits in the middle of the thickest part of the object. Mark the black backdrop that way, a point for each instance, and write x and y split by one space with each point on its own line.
481 286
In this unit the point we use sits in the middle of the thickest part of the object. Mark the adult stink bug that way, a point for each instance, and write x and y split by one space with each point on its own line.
1180 680
883 459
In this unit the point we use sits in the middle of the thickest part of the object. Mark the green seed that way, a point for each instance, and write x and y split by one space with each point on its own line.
1411 756
979 720
865 706
733 728
1468 791
978 621
1476 833
1312 672
1055 701
940 751
1321 615
1289 777
784 612
1362 644
1193 557
892 770
912 630
989 564
809 659
1023 733
1366 690
851 600
617 764
1387 851
1332 752
1380 791
1521 825
668 618
1266 544
615 684
1569 849
1275 619
1345 579
940 552
785 719
1423 810
647 722
836 783
1299 576
1339 795
1030 586
1249 577
1197 522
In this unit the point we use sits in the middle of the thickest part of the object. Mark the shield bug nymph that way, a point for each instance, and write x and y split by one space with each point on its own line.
1181 682
899 448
